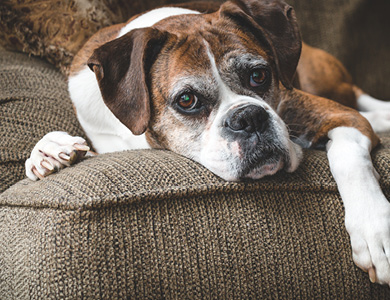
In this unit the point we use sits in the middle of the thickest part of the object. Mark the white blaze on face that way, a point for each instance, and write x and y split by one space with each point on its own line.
225 158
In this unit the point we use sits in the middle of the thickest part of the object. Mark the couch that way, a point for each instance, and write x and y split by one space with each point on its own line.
151 224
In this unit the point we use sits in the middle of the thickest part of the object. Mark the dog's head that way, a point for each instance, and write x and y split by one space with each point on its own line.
207 86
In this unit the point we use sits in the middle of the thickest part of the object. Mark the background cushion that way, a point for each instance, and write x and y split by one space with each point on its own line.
54 29
357 32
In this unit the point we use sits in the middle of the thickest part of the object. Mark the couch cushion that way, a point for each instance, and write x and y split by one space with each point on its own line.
33 102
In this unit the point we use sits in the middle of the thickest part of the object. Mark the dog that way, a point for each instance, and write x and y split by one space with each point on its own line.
233 87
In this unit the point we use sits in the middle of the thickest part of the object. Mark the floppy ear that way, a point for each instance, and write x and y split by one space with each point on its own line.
274 23
121 67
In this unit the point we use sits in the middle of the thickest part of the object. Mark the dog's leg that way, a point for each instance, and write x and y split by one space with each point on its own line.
379 120
349 139
54 151
367 211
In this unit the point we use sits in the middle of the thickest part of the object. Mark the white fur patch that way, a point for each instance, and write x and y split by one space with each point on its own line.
367 211
154 16
367 103
105 131
377 112
379 120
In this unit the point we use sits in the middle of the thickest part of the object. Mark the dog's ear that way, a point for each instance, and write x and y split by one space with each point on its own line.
121 67
274 24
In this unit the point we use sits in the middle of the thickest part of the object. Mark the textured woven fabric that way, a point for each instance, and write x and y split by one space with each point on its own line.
154 225
33 102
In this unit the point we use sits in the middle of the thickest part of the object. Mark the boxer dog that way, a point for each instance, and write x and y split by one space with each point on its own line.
232 87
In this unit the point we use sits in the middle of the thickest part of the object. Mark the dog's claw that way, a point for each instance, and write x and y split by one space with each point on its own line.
47 165
81 147
36 173
372 275
64 156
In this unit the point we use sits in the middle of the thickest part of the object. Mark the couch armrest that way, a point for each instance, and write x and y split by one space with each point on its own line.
152 224
33 102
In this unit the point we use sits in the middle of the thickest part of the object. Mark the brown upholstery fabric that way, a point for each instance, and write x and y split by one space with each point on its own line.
154 225
33 102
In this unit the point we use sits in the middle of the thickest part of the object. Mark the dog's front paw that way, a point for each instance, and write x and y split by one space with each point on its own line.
53 152
369 231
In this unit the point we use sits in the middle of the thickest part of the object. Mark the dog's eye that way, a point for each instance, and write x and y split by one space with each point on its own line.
188 101
258 77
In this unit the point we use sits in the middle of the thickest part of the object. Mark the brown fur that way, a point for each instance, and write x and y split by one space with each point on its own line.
103 36
322 74
310 117
121 67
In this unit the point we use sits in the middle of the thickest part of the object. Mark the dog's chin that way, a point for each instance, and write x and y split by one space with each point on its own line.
240 169
265 170
257 172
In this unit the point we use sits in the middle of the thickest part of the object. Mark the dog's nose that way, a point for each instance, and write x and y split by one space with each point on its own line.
249 118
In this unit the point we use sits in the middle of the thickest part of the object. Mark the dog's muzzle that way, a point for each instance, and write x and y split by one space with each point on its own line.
263 146
249 141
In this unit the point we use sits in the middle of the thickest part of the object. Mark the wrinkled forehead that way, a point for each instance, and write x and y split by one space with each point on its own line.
200 41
